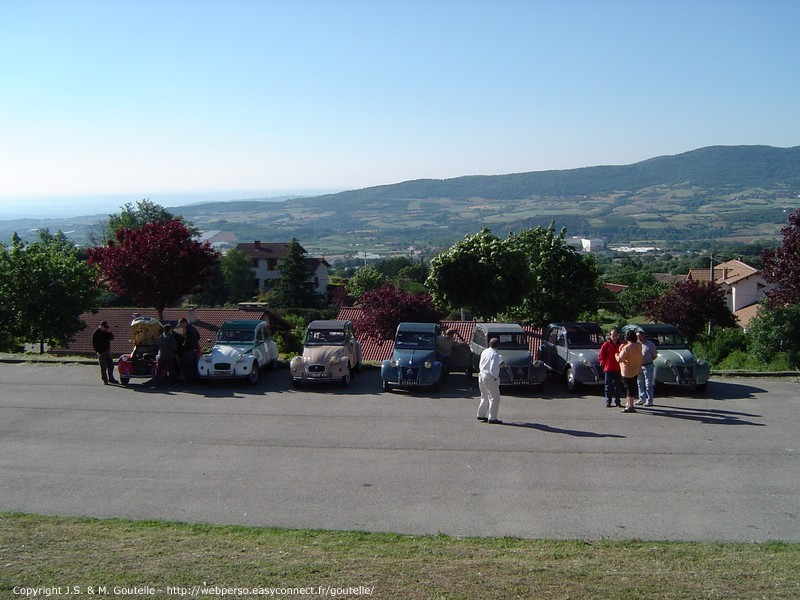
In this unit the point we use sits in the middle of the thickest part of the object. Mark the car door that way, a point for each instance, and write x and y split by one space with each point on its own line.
260 349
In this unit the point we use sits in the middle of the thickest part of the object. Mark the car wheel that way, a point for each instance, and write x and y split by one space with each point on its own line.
124 380
252 378
572 383
346 378
297 383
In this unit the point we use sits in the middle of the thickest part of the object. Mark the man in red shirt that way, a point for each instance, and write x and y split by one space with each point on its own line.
608 360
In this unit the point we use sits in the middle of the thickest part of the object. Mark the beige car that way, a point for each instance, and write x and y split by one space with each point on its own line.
330 354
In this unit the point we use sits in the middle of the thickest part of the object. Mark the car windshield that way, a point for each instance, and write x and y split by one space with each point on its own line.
415 339
584 339
669 340
324 337
235 335
511 341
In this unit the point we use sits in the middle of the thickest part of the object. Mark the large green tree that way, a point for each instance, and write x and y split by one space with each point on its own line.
238 276
293 288
482 273
562 282
365 279
44 288
132 217
156 264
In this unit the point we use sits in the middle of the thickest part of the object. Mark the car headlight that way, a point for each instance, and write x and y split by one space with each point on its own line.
206 358
668 363
334 360
587 363
701 362
428 364
392 363
240 358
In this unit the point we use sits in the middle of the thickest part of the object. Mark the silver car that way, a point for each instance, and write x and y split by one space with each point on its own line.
519 368
571 350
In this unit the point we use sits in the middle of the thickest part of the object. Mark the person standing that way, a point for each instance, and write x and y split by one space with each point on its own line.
647 376
101 342
190 342
489 383
629 358
611 370
165 360
445 344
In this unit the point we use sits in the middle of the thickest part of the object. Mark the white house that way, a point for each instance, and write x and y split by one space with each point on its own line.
264 264
743 284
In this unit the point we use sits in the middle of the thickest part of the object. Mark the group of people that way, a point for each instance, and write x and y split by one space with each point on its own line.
177 352
628 367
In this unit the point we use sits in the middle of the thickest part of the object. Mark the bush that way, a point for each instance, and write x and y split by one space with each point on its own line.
722 342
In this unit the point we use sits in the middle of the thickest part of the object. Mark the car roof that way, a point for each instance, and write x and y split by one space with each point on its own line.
586 326
653 327
424 327
240 324
329 324
500 327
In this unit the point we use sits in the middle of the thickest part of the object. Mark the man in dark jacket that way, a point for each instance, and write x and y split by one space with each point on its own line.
101 342
189 343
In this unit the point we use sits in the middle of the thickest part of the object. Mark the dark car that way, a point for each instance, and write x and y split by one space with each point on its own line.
571 350
415 362
519 368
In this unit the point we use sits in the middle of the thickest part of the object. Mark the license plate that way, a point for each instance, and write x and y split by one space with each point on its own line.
409 383
686 381
316 375
222 372
520 383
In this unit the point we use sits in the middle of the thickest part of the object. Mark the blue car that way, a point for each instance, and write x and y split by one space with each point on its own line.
415 362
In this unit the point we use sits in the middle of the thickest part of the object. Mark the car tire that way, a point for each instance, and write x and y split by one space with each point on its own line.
572 383
124 380
346 378
254 375
297 383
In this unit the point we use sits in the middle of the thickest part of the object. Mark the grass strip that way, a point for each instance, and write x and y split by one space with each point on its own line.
64 555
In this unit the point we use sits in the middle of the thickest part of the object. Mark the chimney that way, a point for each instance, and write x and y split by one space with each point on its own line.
258 244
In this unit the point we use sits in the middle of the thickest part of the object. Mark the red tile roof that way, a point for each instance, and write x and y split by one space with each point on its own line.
373 351
207 321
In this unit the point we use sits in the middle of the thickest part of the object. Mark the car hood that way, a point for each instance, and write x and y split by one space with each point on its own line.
676 357
322 354
516 358
589 354
413 357
229 353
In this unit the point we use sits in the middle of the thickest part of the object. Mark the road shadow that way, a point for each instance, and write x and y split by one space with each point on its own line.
710 416
572 432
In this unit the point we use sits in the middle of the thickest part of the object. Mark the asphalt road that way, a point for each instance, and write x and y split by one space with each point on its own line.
722 466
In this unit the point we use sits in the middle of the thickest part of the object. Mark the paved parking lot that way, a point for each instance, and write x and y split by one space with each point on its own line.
722 466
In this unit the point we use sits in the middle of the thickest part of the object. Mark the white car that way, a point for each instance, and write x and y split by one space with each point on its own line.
242 349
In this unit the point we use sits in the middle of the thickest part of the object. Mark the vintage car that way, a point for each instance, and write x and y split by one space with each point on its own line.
242 349
331 352
415 362
675 363
519 368
571 350
141 362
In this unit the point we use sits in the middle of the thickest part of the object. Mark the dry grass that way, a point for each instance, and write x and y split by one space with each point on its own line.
41 552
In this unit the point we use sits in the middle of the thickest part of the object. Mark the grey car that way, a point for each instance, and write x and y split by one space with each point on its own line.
519 368
571 350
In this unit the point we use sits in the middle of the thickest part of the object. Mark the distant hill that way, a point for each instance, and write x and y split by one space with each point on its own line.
735 193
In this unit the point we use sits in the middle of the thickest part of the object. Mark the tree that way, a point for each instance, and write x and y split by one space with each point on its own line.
774 331
383 309
642 290
364 280
690 306
156 264
238 276
133 217
782 266
563 283
293 288
482 273
45 287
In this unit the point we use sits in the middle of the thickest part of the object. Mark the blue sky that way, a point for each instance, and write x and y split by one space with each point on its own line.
113 101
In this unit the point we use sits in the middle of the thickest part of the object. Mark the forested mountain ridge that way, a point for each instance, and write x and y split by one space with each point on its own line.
726 193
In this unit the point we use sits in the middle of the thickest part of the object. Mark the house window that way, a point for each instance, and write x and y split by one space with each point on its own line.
254 263
272 264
